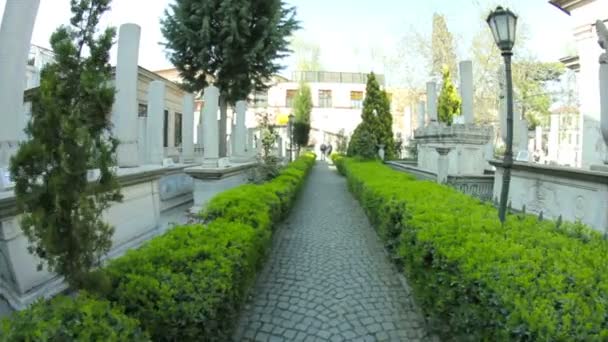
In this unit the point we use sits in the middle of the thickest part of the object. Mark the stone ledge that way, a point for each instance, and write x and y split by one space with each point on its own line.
206 173
126 177
593 176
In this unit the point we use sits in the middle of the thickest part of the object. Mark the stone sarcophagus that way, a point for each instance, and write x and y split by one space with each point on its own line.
469 148
148 193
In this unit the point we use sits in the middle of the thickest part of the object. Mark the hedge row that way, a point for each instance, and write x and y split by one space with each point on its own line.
185 285
529 280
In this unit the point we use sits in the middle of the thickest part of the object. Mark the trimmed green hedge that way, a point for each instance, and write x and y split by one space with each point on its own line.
526 281
72 319
187 284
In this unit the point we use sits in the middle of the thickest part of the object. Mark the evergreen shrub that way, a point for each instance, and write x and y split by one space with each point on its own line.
528 280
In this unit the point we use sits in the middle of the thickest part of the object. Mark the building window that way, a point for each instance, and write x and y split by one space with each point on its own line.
325 98
356 99
142 110
166 129
178 129
289 96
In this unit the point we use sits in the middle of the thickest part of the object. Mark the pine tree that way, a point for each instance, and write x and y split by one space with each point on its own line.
376 127
448 104
69 134
442 47
302 108
235 43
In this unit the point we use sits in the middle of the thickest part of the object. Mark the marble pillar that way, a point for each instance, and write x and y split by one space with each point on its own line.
239 133
251 142
466 91
431 99
554 138
15 38
124 117
154 125
210 126
538 138
421 116
407 123
604 106
187 132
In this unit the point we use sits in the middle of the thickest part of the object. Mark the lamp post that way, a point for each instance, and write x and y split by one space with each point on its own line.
503 23
290 129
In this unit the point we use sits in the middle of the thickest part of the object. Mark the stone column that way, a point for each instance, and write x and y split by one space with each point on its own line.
431 100
210 126
421 116
279 147
538 141
443 164
154 125
250 141
407 118
554 138
466 91
187 132
239 133
604 105
15 38
124 117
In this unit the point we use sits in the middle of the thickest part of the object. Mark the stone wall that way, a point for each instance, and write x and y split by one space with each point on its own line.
148 192
574 194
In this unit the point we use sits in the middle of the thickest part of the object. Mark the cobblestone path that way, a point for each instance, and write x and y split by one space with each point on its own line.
328 277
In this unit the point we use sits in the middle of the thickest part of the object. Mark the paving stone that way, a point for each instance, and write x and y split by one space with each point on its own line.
328 277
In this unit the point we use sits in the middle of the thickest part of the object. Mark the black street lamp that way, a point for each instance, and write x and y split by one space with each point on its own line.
503 24
290 129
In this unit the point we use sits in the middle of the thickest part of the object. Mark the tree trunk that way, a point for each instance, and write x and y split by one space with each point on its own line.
222 126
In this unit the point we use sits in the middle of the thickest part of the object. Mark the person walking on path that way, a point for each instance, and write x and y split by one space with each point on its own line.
323 149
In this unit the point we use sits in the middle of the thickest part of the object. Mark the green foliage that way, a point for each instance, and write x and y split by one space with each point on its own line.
529 280
302 108
69 134
71 319
362 143
376 127
188 284
342 142
530 79
448 104
268 164
236 43
442 47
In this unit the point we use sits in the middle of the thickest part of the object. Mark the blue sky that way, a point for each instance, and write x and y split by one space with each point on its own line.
343 27
348 31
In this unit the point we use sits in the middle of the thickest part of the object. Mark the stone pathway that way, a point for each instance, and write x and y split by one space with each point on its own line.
328 277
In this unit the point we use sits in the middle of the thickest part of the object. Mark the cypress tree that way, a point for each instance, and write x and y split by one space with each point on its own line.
376 127
449 101
442 47
302 109
69 134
